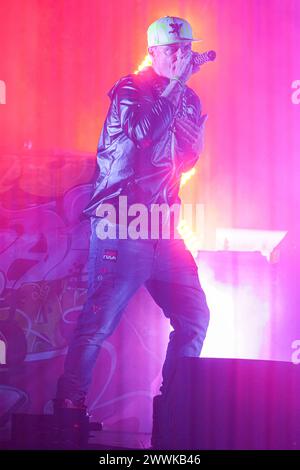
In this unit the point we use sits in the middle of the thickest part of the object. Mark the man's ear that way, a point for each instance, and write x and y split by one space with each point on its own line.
151 51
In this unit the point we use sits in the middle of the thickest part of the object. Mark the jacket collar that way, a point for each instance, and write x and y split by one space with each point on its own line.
153 77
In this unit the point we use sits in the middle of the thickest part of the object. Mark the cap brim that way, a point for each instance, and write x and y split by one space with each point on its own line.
180 40
189 39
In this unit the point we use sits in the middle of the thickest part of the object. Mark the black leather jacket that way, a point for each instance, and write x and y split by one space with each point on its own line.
139 155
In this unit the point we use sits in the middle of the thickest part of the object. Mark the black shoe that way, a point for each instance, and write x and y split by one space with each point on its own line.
68 404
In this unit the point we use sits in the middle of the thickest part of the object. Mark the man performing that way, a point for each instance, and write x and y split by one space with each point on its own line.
153 133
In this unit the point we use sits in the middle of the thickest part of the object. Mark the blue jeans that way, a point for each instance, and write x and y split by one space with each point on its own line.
117 268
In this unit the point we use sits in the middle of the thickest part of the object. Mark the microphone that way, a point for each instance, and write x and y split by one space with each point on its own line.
200 59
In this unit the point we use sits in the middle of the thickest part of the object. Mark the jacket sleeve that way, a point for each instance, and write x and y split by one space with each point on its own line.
183 148
142 119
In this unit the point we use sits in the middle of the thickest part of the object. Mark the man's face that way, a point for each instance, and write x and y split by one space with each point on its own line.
164 58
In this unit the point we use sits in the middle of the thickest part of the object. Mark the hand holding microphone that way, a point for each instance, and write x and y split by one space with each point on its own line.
192 62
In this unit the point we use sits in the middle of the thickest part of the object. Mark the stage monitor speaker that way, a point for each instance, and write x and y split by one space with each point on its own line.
68 429
229 404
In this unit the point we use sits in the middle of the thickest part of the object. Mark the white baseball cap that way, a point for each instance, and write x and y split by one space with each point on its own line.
169 30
